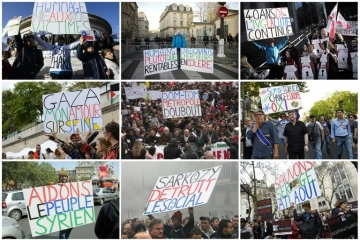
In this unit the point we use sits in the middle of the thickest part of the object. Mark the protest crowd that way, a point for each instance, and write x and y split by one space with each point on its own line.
298 137
321 54
310 224
145 128
179 227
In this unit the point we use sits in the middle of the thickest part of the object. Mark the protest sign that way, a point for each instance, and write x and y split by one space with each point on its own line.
342 226
267 23
323 66
316 43
306 69
181 103
342 53
12 27
197 59
282 227
135 92
280 98
160 60
353 205
290 71
296 185
124 112
54 208
152 95
66 111
154 119
61 18
220 150
137 109
352 31
354 62
181 191
265 209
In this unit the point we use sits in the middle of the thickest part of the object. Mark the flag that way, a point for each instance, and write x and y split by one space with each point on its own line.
331 27
147 84
171 84
114 92
212 107
342 22
87 35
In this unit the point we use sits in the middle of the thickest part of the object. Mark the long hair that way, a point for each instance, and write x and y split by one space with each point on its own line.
339 37
136 150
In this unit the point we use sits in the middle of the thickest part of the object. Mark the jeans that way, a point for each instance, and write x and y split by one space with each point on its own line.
327 140
316 148
346 142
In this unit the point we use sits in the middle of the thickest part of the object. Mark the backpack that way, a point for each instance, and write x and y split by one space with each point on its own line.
312 135
115 204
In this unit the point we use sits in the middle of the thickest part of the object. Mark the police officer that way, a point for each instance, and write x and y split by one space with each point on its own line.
193 41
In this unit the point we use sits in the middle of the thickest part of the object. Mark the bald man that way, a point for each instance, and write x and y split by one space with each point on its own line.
142 235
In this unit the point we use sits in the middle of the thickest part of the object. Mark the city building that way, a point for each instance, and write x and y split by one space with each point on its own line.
250 105
84 170
129 21
143 25
153 33
198 29
176 17
231 24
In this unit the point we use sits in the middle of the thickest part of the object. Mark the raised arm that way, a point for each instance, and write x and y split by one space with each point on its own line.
74 45
260 47
46 45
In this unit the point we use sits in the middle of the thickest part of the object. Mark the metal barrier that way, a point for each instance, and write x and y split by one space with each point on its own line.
135 51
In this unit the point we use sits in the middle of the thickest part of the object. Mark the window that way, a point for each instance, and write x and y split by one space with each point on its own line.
187 16
247 211
342 193
337 196
174 23
17 196
174 15
348 191
182 16
342 172
181 23
337 177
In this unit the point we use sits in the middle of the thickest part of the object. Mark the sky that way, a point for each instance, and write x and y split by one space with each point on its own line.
72 164
107 10
320 89
153 10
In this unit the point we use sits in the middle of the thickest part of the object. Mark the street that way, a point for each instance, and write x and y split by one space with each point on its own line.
83 232
309 155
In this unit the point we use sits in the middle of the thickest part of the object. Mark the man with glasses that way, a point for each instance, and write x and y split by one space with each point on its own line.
341 134
316 136
247 144
296 138
264 138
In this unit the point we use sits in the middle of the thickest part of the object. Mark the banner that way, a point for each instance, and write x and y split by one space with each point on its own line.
267 23
179 191
152 95
54 208
322 74
306 70
297 184
220 150
160 60
290 71
282 227
135 92
61 18
342 226
66 111
317 46
353 31
12 27
280 98
197 59
184 103
353 205
265 209
342 53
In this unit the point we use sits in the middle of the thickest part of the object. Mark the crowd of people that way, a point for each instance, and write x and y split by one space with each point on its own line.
323 59
105 147
307 225
99 58
184 138
178 227
261 139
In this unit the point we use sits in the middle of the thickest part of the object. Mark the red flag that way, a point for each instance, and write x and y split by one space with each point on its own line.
332 22
212 107
342 22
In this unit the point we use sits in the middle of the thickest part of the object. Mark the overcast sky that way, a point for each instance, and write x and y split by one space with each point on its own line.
153 10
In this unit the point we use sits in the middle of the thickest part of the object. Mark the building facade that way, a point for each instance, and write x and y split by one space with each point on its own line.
176 17
231 24
199 29
129 21
143 25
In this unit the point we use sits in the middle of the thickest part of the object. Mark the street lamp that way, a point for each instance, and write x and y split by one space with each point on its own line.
205 28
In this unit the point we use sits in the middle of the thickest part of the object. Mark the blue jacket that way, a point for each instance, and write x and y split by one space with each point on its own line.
178 41
273 53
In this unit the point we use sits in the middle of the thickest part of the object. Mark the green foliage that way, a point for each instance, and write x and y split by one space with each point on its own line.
83 178
37 174
328 106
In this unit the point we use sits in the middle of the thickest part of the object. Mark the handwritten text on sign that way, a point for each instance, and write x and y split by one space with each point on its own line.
160 60
135 92
267 23
197 59
220 150
280 98
184 190
297 184
181 103
60 18
54 208
66 111
265 209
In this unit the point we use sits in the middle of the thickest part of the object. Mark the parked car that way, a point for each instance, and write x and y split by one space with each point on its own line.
102 195
11 229
13 204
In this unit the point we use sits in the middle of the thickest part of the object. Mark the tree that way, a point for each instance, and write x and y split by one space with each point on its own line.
83 178
7 116
73 86
328 106
201 12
